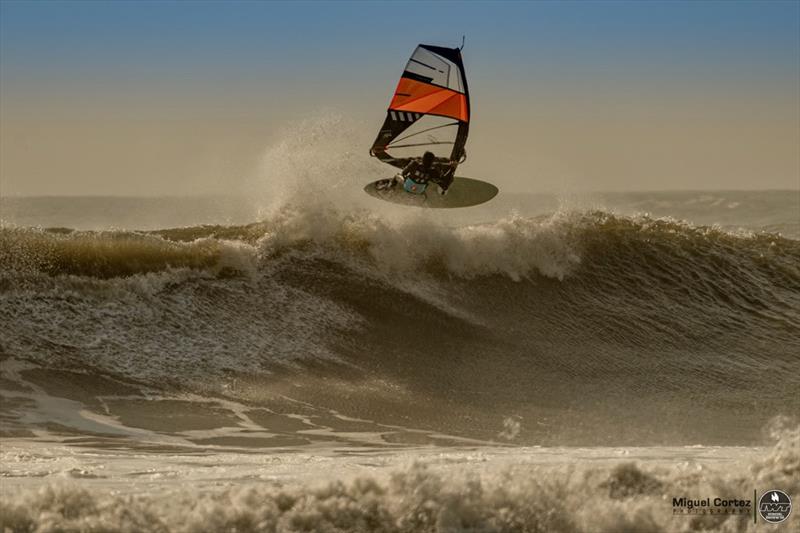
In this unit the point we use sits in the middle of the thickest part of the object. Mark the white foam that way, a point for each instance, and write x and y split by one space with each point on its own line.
513 246
478 489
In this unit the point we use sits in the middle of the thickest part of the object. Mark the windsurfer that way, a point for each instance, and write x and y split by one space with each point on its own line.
419 172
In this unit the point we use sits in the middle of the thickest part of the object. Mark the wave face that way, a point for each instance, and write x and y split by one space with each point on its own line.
580 327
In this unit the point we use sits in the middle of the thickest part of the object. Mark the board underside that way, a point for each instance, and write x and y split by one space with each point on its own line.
463 192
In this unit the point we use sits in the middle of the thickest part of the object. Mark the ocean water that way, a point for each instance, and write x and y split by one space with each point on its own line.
540 363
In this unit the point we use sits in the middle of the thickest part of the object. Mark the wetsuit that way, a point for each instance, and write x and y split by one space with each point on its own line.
417 177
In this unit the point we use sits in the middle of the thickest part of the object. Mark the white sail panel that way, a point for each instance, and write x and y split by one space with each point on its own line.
439 70
429 133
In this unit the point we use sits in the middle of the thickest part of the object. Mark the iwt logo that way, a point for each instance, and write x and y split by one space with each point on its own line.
775 506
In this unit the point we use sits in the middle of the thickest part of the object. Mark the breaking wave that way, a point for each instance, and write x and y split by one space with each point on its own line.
516 247
463 326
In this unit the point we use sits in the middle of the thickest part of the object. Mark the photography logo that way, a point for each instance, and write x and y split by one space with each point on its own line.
774 506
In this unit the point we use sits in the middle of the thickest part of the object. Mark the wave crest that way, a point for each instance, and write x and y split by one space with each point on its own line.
516 247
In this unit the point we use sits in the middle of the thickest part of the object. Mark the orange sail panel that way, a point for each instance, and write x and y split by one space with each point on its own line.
418 97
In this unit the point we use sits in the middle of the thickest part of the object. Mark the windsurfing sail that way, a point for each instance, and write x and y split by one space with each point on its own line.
429 110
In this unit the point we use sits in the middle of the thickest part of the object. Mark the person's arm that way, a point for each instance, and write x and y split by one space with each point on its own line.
409 168
444 177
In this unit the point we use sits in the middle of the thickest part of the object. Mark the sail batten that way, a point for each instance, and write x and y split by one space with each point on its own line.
423 131
412 145
432 89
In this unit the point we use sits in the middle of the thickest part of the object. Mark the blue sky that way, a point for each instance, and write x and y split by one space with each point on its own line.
160 37
527 61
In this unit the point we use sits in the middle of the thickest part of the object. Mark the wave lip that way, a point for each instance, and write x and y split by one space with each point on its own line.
111 254
517 247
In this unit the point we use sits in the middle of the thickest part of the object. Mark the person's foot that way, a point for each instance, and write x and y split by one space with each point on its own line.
385 184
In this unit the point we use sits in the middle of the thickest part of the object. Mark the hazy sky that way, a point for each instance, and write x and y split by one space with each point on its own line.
152 98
